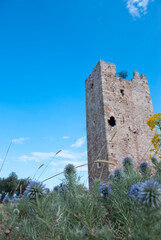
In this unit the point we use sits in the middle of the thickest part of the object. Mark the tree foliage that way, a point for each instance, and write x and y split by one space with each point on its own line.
12 185
155 121
123 74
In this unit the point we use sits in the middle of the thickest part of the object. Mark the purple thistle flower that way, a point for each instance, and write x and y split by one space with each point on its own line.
70 169
134 190
110 177
34 189
143 167
105 190
150 193
127 162
118 174
154 160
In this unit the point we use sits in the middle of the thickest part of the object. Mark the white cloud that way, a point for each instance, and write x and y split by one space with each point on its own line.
79 142
65 137
45 156
20 140
72 155
136 7
26 158
36 156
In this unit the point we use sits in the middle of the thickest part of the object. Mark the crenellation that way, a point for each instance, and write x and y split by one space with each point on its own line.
136 75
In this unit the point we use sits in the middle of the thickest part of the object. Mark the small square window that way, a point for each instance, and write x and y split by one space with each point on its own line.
98 165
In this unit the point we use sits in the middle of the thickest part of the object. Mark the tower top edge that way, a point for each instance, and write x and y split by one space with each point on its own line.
106 63
110 68
105 67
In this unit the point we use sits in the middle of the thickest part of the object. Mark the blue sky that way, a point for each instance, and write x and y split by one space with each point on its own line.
47 50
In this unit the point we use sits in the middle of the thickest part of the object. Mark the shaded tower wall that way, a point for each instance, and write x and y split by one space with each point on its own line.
116 114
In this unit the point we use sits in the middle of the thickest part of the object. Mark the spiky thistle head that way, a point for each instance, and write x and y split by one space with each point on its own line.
150 193
134 190
127 162
69 170
34 189
118 174
105 190
110 177
144 167
154 160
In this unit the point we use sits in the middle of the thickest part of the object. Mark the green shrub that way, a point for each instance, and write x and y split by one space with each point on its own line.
127 207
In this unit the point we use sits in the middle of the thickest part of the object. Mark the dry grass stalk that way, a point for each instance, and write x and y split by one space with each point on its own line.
41 166
104 161
38 170
6 155
49 163
20 189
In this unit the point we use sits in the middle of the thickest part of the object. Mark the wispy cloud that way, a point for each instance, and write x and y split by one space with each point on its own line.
44 156
20 140
26 158
72 155
79 142
65 137
138 7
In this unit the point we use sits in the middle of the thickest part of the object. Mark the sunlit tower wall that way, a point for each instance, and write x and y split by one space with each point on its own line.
116 113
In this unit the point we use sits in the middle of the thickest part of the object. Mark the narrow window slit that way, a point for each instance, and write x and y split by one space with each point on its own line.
98 165
122 92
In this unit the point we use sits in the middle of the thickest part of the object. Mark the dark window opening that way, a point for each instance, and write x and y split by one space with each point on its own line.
92 85
135 132
112 121
122 92
98 165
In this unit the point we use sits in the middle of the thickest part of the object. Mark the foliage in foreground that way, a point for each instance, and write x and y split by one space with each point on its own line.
128 207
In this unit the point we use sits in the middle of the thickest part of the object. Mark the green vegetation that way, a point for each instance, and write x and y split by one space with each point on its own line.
12 186
155 122
123 74
129 207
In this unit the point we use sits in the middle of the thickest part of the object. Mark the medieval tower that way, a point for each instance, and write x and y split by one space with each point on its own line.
117 111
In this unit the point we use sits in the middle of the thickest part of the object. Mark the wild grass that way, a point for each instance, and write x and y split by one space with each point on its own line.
115 210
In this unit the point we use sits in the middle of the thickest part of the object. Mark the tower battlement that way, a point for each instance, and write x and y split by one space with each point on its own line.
109 69
117 111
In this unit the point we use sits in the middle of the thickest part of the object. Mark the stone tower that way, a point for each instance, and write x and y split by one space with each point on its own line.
117 111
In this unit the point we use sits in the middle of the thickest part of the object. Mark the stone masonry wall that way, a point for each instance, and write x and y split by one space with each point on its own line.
117 111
